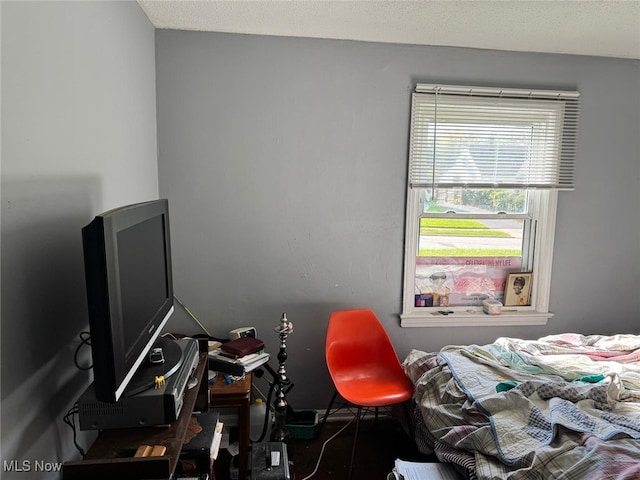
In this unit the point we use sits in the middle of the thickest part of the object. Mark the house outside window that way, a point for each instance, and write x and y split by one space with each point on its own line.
485 168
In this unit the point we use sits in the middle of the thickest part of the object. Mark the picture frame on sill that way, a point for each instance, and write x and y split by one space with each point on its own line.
517 290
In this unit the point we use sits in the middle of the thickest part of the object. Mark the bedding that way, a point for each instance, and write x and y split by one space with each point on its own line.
560 407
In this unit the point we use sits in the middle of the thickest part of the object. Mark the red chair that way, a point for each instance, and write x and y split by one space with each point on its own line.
364 365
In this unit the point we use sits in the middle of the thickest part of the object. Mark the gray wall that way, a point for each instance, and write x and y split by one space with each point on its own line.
78 137
284 161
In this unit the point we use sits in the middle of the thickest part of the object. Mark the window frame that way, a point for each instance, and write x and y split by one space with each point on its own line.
542 208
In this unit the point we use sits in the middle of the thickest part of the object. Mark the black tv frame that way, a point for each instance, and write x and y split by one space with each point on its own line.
113 365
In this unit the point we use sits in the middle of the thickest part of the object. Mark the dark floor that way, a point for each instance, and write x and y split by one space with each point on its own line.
377 448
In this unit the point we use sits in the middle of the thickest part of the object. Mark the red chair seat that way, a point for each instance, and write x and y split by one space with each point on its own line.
379 390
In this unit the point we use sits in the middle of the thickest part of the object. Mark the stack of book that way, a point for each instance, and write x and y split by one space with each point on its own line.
238 356
405 470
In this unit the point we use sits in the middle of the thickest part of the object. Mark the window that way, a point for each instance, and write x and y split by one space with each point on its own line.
485 168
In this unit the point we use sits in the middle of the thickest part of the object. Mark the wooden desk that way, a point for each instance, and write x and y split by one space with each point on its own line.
238 395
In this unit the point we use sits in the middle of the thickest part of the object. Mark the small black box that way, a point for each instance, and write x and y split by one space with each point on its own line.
261 466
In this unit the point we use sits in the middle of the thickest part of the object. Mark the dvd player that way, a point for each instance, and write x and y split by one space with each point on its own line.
159 404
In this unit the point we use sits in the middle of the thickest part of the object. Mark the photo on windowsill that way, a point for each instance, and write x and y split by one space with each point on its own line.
518 289
464 281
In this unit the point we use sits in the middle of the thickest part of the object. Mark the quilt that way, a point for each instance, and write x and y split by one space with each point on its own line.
560 407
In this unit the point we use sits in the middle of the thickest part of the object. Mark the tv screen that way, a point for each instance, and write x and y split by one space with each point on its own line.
129 290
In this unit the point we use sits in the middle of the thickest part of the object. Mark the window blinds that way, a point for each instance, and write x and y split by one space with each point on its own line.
477 137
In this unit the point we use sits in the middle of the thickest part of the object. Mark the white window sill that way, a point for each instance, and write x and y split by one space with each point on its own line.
468 318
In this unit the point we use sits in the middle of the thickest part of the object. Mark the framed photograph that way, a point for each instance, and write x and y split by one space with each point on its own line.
517 291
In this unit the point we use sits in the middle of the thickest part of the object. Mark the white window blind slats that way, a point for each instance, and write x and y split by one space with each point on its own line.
515 141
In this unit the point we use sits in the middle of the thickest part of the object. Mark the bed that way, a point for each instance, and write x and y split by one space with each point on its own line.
563 406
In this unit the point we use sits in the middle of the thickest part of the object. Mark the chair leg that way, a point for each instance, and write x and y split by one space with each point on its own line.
326 414
355 439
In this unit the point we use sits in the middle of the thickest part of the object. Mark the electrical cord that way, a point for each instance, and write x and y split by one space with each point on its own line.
69 419
85 340
267 400
326 442
186 309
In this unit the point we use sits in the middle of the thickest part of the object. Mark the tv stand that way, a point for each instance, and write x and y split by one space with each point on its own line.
112 454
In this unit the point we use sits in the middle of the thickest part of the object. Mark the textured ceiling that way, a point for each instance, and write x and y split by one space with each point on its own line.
585 27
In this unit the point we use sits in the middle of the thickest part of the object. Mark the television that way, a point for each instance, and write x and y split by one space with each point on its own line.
127 258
